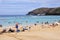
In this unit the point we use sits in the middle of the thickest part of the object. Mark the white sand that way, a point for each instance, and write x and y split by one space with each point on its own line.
36 33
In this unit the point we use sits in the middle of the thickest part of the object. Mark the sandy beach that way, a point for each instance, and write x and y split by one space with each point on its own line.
38 32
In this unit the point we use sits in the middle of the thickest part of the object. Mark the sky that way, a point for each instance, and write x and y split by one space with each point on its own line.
22 7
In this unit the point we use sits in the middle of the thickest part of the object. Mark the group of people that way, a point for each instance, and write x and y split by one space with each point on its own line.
11 30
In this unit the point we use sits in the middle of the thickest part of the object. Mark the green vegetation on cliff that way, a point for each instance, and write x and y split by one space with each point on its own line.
45 11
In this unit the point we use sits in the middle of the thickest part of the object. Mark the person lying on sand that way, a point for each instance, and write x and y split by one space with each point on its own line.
54 24
24 28
4 31
11 30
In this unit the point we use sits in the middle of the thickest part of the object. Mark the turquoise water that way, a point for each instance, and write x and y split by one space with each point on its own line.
26 20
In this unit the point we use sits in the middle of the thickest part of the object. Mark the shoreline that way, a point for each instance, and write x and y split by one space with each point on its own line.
37 32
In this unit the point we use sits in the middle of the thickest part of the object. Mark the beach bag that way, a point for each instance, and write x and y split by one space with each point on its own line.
18 30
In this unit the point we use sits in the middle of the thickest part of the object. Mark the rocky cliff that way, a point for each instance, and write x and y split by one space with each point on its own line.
45 11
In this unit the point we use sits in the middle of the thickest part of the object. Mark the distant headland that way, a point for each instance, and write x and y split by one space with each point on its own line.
45 11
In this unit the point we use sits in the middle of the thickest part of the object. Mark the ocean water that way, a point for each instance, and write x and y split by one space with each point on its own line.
10 20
